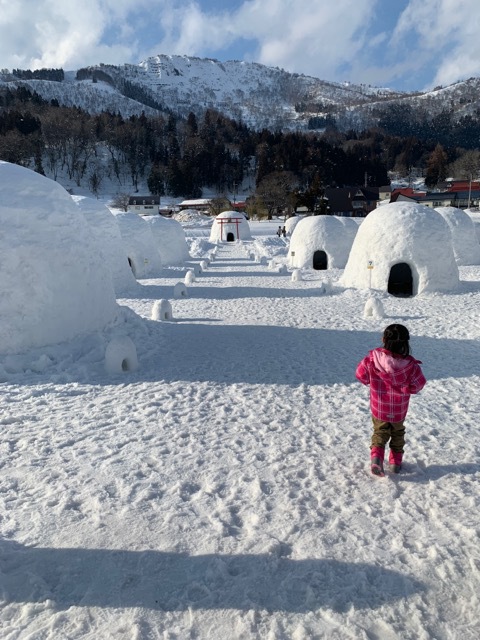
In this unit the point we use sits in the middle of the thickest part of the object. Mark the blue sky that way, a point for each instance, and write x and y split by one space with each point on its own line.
401 44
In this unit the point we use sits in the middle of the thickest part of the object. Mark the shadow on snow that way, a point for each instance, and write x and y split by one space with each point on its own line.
177 582
283 355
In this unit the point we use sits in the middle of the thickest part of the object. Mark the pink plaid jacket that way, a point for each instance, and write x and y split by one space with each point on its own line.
392 380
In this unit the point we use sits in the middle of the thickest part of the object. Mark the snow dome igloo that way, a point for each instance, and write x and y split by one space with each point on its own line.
475 218
320 242
54 284
170 238
229 226
464 240
403 248
142 253
107 233
291 223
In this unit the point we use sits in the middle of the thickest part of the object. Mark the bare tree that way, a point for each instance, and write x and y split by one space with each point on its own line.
274 190
120 201
219 204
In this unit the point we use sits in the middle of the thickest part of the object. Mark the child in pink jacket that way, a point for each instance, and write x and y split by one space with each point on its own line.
393 375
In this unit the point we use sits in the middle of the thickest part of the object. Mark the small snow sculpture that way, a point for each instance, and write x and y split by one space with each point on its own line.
282 268
272 264
373 308
203 265
297 275
121 355
189 277
162 310
180 290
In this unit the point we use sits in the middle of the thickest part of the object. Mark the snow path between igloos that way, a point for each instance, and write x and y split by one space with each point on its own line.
222 490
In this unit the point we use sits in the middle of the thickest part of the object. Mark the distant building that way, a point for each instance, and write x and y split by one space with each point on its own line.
144 205
459 199
352 201
200 204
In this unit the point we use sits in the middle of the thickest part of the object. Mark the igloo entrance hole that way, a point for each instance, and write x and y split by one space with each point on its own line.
400 281
320 261
230 237
132 266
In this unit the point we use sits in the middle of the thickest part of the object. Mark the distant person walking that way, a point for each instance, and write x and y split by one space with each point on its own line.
279 232
284 232
393 376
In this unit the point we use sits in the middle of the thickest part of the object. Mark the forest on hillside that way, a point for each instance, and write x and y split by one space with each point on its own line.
181 156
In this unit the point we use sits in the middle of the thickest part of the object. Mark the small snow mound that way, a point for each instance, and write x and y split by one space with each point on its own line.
203 265
191 216
374 308
162 310
180 290
197 269
189 277
121 355
297 275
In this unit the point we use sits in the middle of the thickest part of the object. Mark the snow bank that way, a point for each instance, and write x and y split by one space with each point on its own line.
464 240
192 217
107 233
170 239
143 255
54 282
402 233
229 226
326 234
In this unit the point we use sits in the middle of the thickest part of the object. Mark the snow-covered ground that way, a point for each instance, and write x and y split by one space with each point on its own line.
222 489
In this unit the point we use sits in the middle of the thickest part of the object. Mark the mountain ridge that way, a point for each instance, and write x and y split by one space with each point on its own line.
257 95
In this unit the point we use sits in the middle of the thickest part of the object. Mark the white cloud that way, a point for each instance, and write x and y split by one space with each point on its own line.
48 33
446 37
298 36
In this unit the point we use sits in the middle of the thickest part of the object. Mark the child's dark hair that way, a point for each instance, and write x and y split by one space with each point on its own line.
396 339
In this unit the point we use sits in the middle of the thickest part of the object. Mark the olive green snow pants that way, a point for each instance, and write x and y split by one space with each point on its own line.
385 431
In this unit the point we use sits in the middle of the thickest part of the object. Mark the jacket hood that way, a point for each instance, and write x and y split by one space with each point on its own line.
394 369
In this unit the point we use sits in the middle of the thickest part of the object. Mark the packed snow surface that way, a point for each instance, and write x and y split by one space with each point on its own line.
221 490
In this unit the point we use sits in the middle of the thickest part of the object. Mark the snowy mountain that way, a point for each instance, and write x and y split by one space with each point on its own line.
260 96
